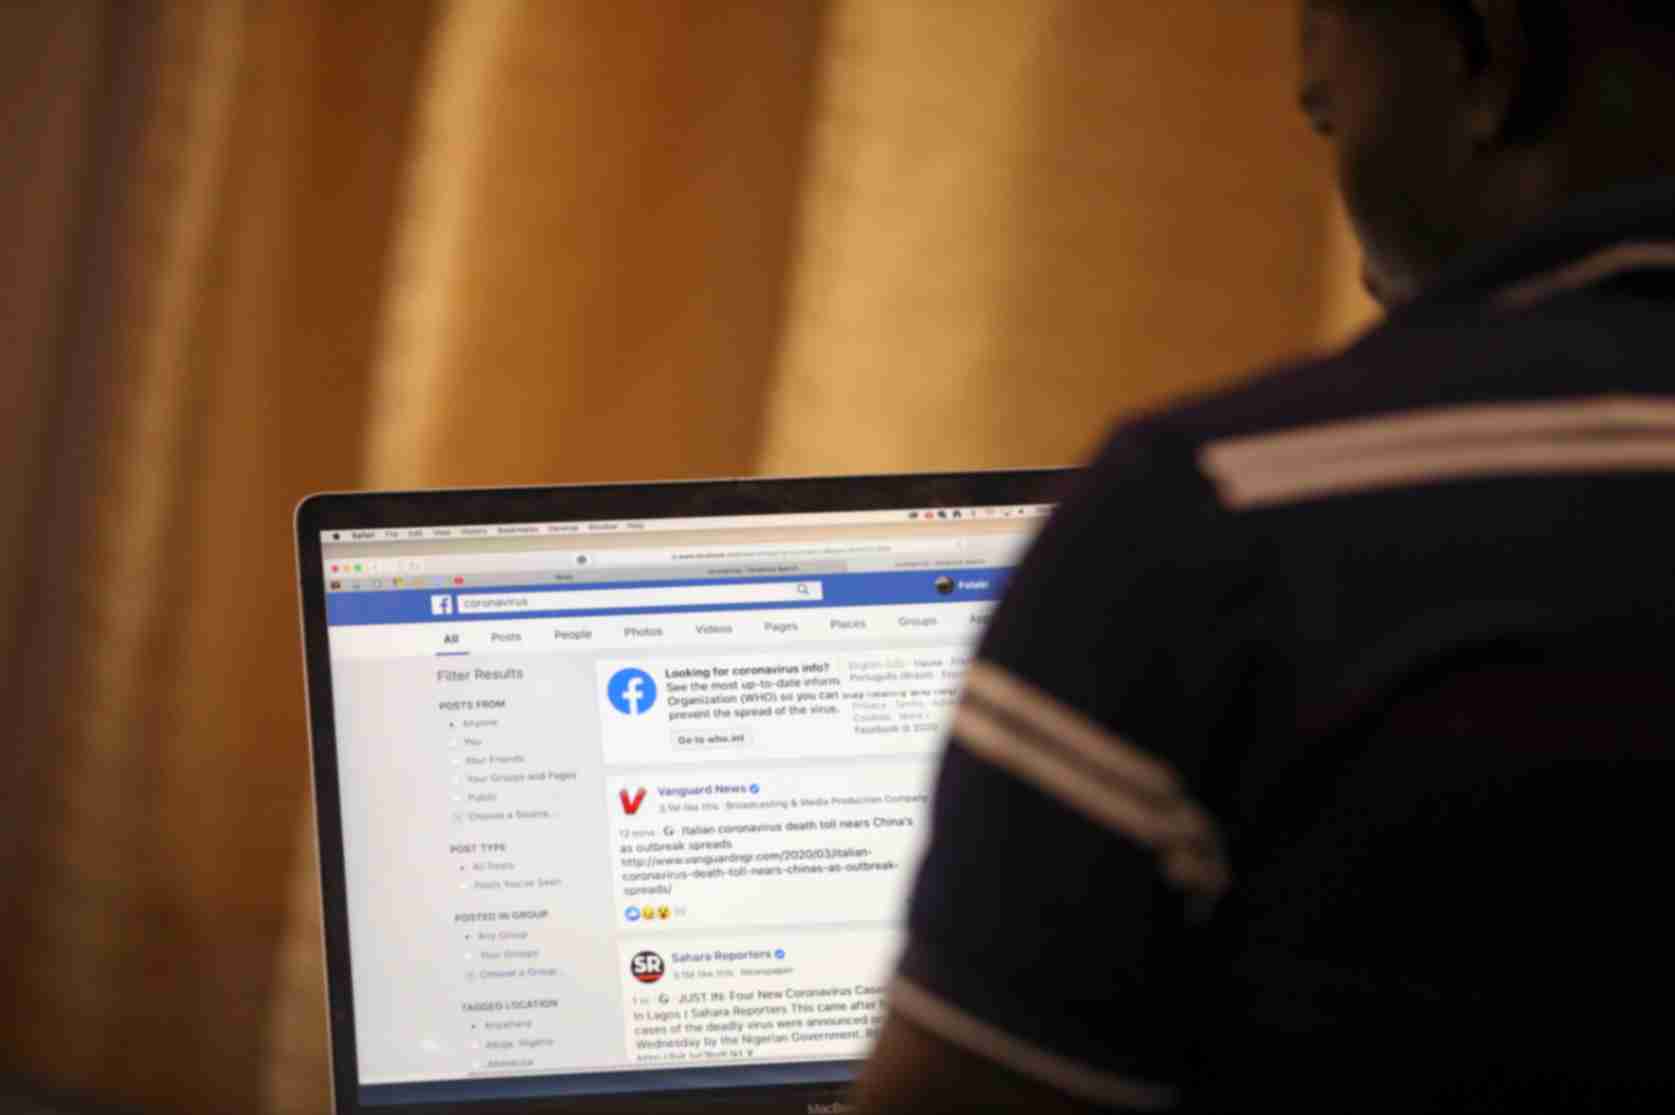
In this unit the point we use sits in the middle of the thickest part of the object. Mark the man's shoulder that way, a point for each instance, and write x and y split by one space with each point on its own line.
1155 460
1438 378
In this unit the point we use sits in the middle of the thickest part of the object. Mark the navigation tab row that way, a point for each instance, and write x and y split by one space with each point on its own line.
895 624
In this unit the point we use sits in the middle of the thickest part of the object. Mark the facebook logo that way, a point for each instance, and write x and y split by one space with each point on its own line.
631 691
442 605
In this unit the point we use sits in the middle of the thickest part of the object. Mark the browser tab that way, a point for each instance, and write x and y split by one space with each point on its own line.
573 632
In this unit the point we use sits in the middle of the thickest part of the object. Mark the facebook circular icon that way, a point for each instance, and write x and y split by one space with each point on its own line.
631 691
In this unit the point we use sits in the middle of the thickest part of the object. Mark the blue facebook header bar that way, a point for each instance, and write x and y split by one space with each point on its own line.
837 590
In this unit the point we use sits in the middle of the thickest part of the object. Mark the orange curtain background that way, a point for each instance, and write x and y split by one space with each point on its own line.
259 249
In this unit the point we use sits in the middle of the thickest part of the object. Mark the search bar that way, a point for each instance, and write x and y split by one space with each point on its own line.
674 596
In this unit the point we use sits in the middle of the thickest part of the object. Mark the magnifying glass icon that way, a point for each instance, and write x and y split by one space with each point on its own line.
802 590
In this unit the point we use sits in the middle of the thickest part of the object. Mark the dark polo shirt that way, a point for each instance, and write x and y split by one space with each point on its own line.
1318 756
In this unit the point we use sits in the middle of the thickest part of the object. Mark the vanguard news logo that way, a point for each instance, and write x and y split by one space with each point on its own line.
631 691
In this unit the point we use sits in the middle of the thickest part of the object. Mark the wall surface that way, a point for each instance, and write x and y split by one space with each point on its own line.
597 244
1023 220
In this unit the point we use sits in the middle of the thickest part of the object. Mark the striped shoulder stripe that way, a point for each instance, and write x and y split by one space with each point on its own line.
1602 265
1602 434
994 1044
1034 736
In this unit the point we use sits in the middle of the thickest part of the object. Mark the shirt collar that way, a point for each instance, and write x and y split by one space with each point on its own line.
1597 237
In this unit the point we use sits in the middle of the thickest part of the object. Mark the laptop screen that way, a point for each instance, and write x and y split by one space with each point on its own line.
632 806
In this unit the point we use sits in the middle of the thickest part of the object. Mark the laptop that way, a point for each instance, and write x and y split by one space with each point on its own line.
620 789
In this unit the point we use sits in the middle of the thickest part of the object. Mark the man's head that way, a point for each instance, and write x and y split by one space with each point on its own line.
1456 122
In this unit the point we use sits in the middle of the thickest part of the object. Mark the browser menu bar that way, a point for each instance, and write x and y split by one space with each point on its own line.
454 533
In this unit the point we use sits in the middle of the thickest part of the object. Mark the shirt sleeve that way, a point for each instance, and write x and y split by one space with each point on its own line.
1051 926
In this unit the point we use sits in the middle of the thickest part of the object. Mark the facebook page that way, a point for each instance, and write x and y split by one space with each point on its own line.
645 822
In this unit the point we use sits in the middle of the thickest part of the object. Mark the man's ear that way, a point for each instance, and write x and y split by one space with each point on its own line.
1522 71
1501 62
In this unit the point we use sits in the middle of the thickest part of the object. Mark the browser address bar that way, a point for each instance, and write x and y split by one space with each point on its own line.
674 596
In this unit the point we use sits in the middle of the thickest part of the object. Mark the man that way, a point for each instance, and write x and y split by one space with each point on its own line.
1316 757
